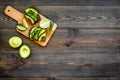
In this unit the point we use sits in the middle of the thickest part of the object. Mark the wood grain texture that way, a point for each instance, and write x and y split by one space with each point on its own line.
91 56
86 45
62 2
82 17
51 78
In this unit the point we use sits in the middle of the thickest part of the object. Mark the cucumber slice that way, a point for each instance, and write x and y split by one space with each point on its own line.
15 41
31 33
21 27
24 51
44 23
25 23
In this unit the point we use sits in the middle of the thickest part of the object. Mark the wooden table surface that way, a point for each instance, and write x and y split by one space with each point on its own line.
85 46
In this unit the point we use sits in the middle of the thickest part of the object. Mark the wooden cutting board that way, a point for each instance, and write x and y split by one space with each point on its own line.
18 16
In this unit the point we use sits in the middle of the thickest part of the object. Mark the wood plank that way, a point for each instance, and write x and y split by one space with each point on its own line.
79 17
91 41
97 78
75 60
62 2
86 44
63 65
54 69
52 78
62 58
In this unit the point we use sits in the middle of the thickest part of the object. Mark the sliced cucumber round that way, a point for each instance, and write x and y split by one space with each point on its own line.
44 23
15 41
24 51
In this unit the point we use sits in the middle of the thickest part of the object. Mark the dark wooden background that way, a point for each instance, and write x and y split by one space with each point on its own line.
85 46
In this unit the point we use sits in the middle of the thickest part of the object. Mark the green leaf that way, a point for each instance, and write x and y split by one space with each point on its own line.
51 25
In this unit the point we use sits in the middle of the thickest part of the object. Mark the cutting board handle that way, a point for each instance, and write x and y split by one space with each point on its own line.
13 13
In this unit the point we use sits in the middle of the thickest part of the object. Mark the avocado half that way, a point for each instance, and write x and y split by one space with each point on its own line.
24 51
15 41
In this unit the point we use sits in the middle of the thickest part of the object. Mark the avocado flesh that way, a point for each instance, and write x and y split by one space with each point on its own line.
28 17
15 41
32 14
31 33
24 51
31 10
37 33
42 34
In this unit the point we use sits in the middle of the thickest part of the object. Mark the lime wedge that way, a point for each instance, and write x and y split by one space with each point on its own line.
44 23
21 27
